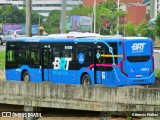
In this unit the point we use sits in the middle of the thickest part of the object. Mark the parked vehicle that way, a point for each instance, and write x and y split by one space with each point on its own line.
11 34
1 35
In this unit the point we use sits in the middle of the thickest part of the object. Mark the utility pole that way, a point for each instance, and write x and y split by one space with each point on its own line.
28 17
152 9
118 19
94 11
63 17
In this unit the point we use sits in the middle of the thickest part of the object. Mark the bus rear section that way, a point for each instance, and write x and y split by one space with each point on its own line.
137 64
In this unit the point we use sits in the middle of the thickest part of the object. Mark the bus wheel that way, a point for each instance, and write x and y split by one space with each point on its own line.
86 80
26 76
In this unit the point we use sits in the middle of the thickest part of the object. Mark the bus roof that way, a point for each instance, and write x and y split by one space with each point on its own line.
74 35
92 39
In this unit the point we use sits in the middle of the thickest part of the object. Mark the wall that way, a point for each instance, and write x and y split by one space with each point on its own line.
137 14
93 98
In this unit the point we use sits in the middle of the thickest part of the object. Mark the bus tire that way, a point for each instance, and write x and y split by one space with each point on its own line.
1 43
26 77
86 79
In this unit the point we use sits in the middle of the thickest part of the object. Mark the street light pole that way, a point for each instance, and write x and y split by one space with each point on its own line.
118 19
152 9
28 17
63 17
94 16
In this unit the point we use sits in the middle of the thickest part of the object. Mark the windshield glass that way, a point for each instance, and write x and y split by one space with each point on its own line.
20 32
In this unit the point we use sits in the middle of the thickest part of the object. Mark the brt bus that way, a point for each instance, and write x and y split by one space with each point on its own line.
114 61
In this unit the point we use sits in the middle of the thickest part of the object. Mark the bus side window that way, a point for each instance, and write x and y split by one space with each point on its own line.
86 50
10 56
34 55
89 54
80 49
56 52
37 58
67 53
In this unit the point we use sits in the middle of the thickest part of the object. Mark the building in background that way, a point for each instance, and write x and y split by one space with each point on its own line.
43 7
136 13
91 2
136 10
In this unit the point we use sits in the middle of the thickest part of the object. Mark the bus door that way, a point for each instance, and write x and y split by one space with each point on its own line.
99 69
45 60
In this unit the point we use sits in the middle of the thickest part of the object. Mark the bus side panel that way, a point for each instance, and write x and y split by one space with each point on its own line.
34 73
70 76
65 76
85 70
13 74
46 74
122 80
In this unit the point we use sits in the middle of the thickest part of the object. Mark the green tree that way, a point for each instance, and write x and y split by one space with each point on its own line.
81 10
10 14
37 18
156 27
110 5
52 24
108 11
105 10
130 30
142 28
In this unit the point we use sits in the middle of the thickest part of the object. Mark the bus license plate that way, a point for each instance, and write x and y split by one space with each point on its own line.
138 76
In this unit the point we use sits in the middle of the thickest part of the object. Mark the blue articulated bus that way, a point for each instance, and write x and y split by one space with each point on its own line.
112 61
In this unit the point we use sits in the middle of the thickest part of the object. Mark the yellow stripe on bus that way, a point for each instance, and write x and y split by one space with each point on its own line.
106 55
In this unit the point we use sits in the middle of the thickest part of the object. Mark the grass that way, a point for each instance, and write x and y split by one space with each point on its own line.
2 59
157 72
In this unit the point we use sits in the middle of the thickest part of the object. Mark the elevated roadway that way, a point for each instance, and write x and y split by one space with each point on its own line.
92 98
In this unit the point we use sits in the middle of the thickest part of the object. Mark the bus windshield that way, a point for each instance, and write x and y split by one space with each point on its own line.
138 58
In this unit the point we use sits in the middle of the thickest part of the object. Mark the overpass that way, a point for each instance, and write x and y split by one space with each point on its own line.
92 98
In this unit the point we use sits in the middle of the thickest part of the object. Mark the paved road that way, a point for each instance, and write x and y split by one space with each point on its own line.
2 47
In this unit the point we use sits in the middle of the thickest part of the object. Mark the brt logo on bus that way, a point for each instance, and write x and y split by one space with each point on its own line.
138 46
61 63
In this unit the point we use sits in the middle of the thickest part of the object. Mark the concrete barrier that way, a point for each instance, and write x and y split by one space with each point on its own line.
93 98
2 74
